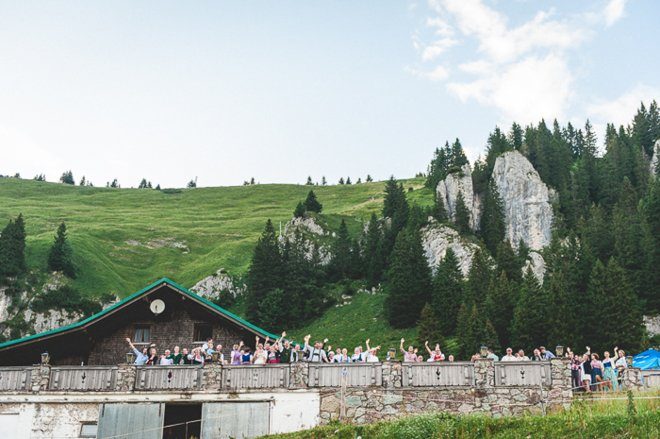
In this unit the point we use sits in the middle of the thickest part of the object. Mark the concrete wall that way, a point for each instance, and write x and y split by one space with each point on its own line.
44 420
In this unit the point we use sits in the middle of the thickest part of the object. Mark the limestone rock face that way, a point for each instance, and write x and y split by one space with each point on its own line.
212 286
537 264
654 159
309 231
527 210
449 188
437 238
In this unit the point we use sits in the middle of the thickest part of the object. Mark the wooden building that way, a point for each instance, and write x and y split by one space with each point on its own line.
163 313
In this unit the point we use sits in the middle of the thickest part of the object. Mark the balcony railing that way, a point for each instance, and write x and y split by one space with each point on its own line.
15 378
438 374
523 373
351 375
213 377
168 377
82 378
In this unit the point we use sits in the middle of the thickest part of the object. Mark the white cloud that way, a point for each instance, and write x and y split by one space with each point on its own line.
525 91
439 73
614 11
436 48
621 109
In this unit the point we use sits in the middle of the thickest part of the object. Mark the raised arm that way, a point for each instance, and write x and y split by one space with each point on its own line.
401 346
428 349
367 343
306 340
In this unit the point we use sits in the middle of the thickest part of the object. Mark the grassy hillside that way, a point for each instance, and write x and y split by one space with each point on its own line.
588 419
125 238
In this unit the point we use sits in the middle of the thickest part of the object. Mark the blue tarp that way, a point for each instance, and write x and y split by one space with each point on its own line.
647 360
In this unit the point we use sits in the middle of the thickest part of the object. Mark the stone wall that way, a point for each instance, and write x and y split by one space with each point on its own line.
370 404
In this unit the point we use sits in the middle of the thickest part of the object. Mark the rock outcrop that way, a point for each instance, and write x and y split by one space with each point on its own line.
437 238
653 166
526 199
460 182
310 232
537 264
213 286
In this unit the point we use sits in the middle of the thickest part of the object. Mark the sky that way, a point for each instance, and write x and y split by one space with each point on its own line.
224 91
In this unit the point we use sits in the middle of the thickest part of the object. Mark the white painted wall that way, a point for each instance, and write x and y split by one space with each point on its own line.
60 416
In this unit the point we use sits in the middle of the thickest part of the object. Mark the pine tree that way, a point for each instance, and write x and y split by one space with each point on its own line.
409 280
509 262
83 181
341 180
67 178
652 228
439 211
474 331
499 307
447 292
462 215
340 263
428 328
299 211
359 181
309 181
476 287
492 227
312 204
324 182
60 257
529 327
373 252
395 207
369 179
12 248
265 273
348 180
458 158
143 184
192 184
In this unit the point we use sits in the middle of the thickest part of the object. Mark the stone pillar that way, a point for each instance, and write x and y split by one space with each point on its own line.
126 374
298 375
560 392
40 377
212 377
632 379
392 374
484 373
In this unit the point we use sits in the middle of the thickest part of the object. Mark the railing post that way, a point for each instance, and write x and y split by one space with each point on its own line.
632 379
298 375
212 377
40 377
484 373
560 392
126 374
392 374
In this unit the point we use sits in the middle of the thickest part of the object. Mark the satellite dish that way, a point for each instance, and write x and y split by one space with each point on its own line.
157 306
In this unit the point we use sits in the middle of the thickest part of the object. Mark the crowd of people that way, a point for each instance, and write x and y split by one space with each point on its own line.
588 371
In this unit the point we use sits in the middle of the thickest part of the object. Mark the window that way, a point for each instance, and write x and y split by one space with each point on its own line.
203 331
142 334
88 429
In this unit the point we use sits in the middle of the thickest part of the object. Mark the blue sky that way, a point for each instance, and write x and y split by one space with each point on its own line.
225 91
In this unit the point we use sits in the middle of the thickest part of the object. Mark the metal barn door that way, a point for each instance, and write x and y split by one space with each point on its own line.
235 420
131 421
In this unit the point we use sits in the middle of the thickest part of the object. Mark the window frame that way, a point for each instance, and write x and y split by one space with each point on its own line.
142 327
197 331
84 424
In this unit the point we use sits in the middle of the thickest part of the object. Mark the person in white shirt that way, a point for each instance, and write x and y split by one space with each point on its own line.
372 353
338 356
315 354
509 356
521 356
357 356
166 360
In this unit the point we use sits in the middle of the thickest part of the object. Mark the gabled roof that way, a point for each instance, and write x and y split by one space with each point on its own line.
146 290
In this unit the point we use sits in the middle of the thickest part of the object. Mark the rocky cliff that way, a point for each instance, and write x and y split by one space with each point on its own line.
526 199
312 234
436 239
460 182
212 287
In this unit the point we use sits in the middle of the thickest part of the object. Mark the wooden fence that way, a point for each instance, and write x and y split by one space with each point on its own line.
523 373
15 378
255 377
438 374
168 377
82 378
351 375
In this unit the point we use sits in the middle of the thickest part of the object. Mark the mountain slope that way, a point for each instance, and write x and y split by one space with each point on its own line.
125 238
